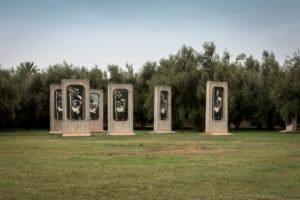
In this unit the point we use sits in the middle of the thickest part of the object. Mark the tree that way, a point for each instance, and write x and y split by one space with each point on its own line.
261 93
208 59
143 94
9 99
26 69
115 74
97 78
286 93
181 72
267 112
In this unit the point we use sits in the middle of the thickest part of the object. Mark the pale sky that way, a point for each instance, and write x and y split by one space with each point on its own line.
90 32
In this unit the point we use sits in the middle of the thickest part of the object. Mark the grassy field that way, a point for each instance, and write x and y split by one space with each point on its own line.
185 165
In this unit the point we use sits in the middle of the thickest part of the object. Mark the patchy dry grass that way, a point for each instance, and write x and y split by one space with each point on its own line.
190 150
185 165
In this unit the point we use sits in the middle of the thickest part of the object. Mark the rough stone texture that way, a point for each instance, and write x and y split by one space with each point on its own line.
119 127
216 127
76 127
96 126
55 125
162 126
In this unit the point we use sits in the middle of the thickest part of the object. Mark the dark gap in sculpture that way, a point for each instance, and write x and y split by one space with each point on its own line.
164 95
120 104
75 102
218 93
94 106
58 104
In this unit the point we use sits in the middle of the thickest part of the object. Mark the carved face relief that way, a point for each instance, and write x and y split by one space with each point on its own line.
217 104
75 102
120 104
164 95
94 106
58 104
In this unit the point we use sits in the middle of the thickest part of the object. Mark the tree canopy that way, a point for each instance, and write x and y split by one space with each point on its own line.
261 92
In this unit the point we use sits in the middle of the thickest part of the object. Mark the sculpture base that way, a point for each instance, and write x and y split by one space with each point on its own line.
289 131
120 134
55 132
76 134
217 133
162 132
98 132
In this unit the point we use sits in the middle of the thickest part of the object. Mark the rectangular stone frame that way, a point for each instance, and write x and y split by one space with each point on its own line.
216 127
76 127
162 126
96 126
119 127
55 125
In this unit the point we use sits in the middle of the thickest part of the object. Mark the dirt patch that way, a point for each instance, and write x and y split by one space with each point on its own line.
191 150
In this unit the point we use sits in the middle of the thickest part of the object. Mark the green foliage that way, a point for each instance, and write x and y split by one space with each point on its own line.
261 93
9 99
181 72
26 69
286 93
143 100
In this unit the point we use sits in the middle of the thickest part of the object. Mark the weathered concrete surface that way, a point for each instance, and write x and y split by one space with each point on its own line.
55 125
96 126
162 125
216 127
76 127
119 127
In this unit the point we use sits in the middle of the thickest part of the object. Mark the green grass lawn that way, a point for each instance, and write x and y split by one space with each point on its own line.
185 165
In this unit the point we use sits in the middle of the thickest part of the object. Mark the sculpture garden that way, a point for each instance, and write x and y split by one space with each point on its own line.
158 100
259 162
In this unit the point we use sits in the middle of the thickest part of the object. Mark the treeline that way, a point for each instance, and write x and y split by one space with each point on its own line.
261 92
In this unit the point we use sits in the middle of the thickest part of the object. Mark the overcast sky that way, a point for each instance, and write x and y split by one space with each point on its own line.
89 32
